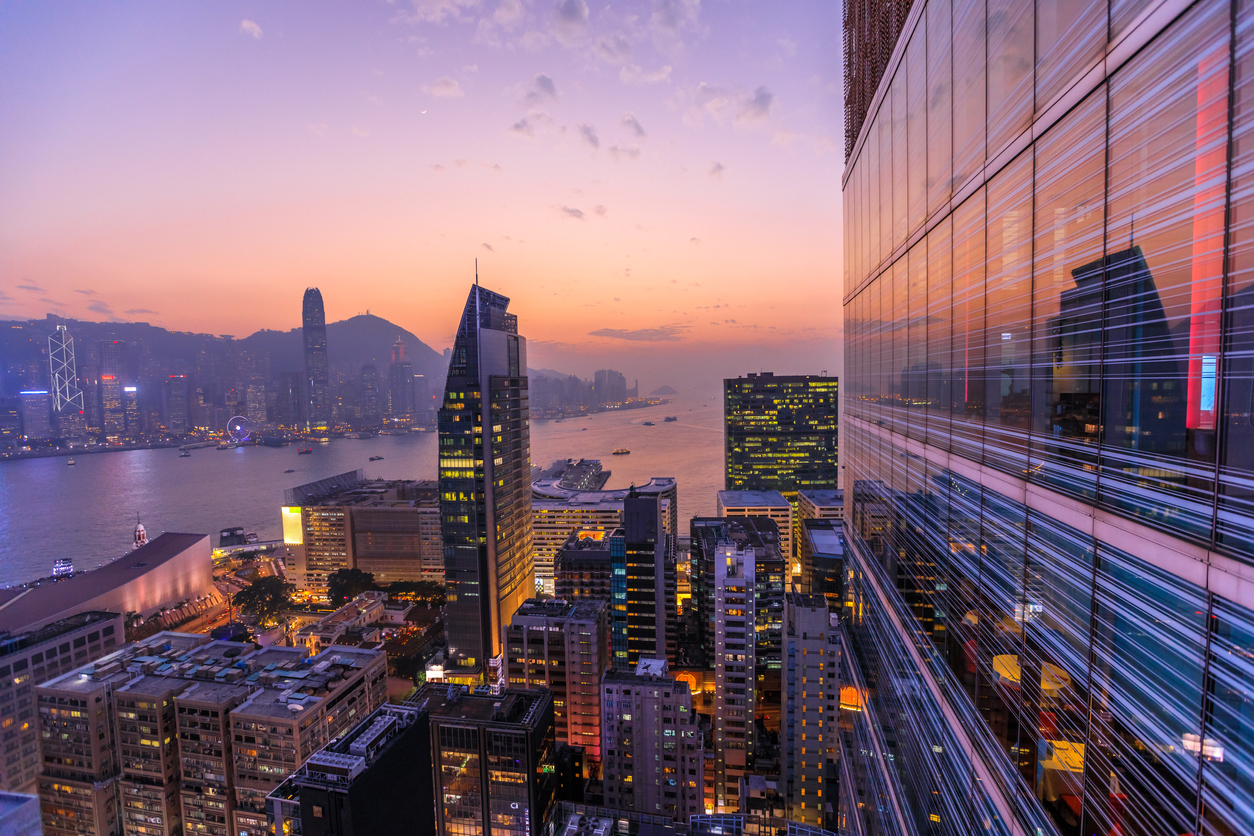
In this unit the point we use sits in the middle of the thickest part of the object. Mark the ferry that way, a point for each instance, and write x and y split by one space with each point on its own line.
70 463
186 454
621 451
289 470
649 424
670 419
376 458
304 451
62 567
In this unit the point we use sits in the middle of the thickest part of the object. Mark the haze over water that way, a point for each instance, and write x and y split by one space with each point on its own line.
87 512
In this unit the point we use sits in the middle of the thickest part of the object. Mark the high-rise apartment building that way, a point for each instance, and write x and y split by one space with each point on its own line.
584 567
809 733
30 658
770 504
735 680
493 758
484 480
813 505
654 748
643 584
781 433
317 385
563 646
180 733
1047 434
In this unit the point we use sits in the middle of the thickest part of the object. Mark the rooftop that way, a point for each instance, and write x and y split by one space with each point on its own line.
34 605
511 707
824 498
752 499
378 493
12 643
571 485
827 537
559 608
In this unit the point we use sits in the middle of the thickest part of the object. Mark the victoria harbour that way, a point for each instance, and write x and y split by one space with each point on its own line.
215 489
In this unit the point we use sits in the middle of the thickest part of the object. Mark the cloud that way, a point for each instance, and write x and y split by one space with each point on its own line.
508 13
436 11
523 127
670 19
86 292
319 128
4 297
32 288
708 100
613 49
600 210
755 109
631 152
139 311
100 307
446 88
572 212
488 247
542 90
436 167
786 46
572 20
664 333
696 242
250 27
716 170
589 135
632 124
632 74
783 138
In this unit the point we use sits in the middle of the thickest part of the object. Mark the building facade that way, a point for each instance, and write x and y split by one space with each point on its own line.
1047 428
735 680
584 567
484 480
313 319
563 646
770 504
781 433
654 748
643 584
809 733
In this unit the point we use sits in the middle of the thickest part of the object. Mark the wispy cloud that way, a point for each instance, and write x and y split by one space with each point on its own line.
86 292
361 132
572 212
139 311
755 109
600 211
572 21
589 135
631 152
633 74
664 333
669 21
613 49
31 288
542 89
100 307
318 128
446 87
633 124
716 171
436 11
488 247
250 27
524 128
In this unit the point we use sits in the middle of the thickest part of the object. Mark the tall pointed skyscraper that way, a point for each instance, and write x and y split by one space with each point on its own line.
485 490
317 397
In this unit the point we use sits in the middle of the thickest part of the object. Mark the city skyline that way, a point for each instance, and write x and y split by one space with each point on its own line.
642 172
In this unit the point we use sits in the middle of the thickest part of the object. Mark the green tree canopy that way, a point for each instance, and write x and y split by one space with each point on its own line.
266 598
345 584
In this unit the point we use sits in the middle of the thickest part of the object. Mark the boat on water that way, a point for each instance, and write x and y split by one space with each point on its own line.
669 419
583 429
376 458
289 470
70 463
621 451
186 454
649 424
224 447
304 451
62 567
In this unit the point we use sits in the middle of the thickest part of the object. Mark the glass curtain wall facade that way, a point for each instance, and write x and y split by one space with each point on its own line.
780 433
1049 313
314 333
485 481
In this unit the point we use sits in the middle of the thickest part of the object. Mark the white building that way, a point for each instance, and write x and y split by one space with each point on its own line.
770 504
734 677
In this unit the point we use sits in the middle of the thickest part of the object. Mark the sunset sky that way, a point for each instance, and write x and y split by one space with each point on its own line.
656 185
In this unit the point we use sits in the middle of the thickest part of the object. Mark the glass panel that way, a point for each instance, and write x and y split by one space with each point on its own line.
899 323
901 165
1008 317
1140 778
969 93
939 331
1235 527
962 575
886 180
916 127
917 366
940 103
966 428
1070 36
1011 35
1067 299
1228 747
1165 235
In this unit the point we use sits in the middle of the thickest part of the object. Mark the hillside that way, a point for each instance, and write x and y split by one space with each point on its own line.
361 339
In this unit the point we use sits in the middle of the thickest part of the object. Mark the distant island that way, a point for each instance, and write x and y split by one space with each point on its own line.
662 390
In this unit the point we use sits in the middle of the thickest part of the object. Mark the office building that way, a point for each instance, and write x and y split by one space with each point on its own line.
810 734
654 748
317 386
255 409
180 733
493 758
1047 439
643 585
781 433
374 780
30 658
484 481
371 412
288 403
814 504
823 560
770 504
401 401
36 411
132 420
563 646
388 528
584 567
67 397
169 569
114 375
177 403
570 495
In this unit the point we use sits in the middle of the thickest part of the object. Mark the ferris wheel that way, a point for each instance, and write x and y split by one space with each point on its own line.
239 429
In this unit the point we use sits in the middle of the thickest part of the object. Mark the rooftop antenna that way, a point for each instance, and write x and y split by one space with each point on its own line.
476 272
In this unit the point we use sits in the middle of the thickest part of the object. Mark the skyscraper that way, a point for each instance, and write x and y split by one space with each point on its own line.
67 397
1047 440
314 330
400 383
370 413
113 377
642 586
781 433
485 484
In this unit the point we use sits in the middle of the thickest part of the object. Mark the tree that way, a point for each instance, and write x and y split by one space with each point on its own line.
266 598
345 584
428 591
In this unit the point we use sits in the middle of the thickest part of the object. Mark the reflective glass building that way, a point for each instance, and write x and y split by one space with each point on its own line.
485 481
1049 314
314 334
